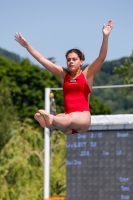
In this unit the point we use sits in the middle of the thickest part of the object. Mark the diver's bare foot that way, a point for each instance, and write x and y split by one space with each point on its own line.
48 118
40 119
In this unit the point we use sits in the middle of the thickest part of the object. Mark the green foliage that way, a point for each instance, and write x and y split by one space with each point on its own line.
108 66
21 169
125 71
113 73
106 74
7 114
98 108
21 166
58 164
27 83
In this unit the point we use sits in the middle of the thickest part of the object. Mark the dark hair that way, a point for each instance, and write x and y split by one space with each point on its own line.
78 52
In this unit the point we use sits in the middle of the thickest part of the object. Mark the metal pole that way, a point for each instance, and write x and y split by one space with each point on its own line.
103 86
47 148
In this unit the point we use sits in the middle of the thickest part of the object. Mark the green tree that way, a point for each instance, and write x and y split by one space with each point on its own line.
7 114
27 83
21 168
97 107
21 165
125 72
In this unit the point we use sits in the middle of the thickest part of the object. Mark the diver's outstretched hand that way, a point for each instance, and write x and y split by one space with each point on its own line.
20 39
107 28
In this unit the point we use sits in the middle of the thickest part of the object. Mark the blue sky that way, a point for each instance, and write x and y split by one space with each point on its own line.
55 26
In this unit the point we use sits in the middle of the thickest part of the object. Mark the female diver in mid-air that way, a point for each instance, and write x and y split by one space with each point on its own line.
76 84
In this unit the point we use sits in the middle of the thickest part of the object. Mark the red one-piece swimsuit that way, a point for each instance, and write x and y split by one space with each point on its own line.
76 91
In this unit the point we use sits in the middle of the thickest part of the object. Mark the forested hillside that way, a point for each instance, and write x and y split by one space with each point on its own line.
10 55
118 99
